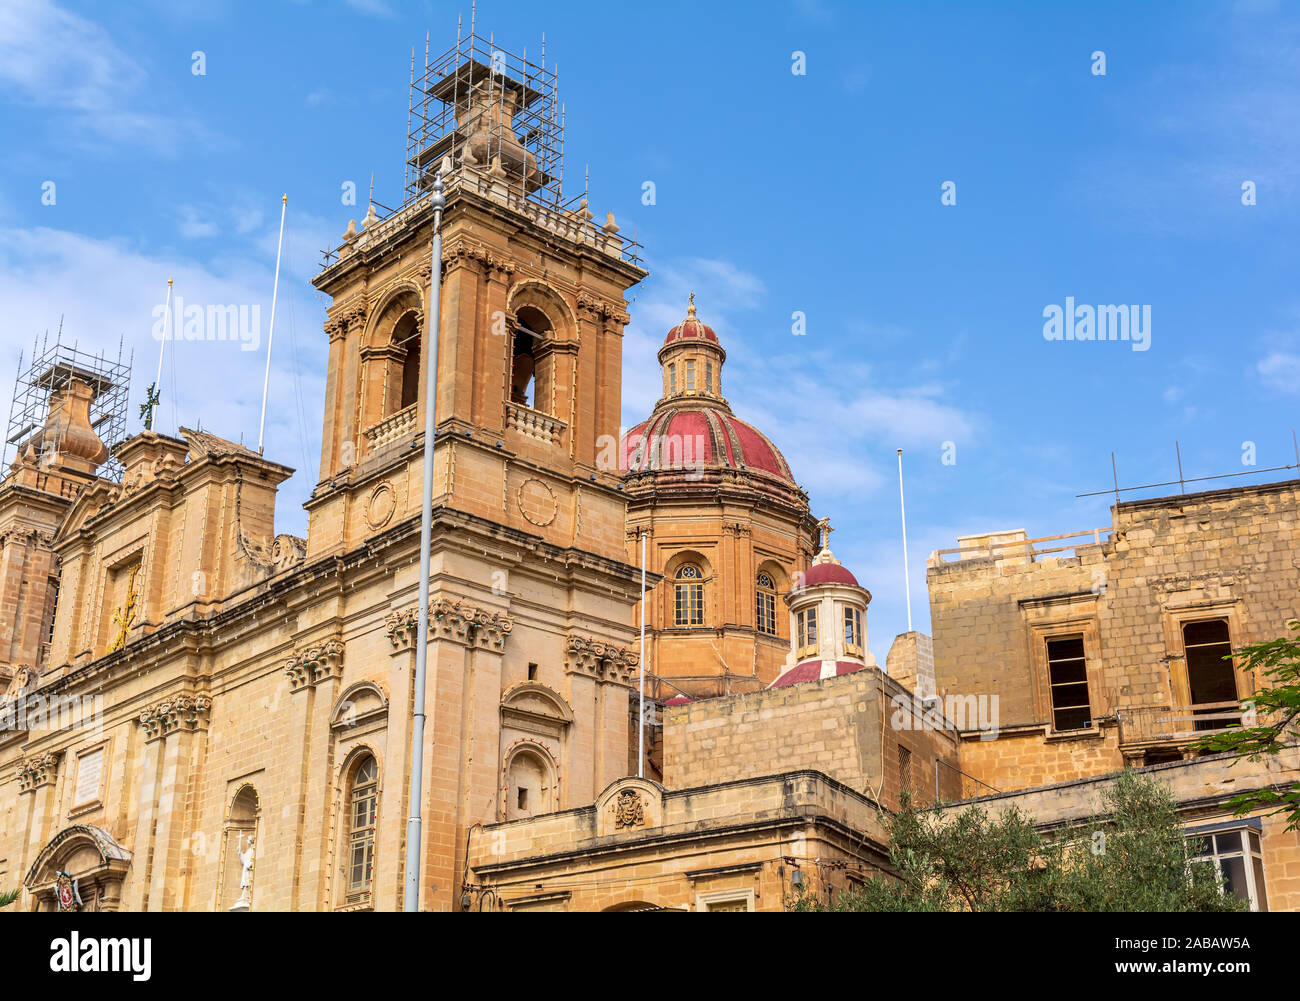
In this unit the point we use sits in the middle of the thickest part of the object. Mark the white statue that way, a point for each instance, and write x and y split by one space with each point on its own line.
245 856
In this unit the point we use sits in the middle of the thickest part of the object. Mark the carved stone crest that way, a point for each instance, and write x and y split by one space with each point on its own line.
629 810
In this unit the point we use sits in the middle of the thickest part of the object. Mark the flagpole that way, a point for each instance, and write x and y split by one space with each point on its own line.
162 346
907 582
640 713
411 898
270 337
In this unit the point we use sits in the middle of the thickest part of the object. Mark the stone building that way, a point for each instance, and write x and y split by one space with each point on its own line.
200 713
1106 647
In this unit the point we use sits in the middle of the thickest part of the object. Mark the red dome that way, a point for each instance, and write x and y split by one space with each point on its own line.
691 328
811 670
679 700
674 438
828 573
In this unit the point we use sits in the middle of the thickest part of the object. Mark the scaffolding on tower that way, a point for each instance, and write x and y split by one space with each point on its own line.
50 369
491 120
489 109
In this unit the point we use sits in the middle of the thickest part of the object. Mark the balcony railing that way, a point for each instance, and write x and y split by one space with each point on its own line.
534 423
391 427
1012 546
1166 724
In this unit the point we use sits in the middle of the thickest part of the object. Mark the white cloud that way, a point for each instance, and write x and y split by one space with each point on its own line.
1281 370
105 289
53 59
194 223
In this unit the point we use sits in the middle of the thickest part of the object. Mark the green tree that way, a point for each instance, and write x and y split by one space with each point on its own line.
1132 858
7 898
1277 705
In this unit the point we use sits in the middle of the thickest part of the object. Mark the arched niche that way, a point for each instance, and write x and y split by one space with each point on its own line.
91 857
529 781
243 814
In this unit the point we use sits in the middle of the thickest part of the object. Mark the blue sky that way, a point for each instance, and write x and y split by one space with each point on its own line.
776 193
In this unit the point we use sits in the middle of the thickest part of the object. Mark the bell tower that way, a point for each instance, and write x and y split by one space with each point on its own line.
532 633
533 311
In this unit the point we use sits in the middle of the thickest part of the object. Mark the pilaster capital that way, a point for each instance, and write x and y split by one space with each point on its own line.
38 770
184 712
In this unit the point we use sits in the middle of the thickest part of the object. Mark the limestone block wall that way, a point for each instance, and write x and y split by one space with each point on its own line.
849 728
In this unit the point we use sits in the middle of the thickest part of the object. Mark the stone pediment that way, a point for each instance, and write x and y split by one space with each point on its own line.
89 503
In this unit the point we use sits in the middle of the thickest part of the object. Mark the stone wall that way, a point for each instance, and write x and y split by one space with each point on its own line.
848 727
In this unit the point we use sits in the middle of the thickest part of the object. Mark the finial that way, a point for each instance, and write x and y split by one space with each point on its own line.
169 281
438 200
824 554
690 309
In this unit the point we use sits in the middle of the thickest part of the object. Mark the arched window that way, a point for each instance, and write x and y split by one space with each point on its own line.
672 377
363 801
531 360
689 588
766 611
410 373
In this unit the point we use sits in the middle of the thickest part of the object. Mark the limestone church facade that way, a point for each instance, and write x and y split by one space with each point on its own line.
248 687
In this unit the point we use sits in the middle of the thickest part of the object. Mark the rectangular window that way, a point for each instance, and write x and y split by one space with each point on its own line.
690 374
807 621
904 769
672 378
1067 671
90 768
1210 678
767 613
853 628
708 377
1236 857
690 605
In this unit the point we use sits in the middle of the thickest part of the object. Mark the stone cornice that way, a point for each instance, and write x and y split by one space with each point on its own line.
451 619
